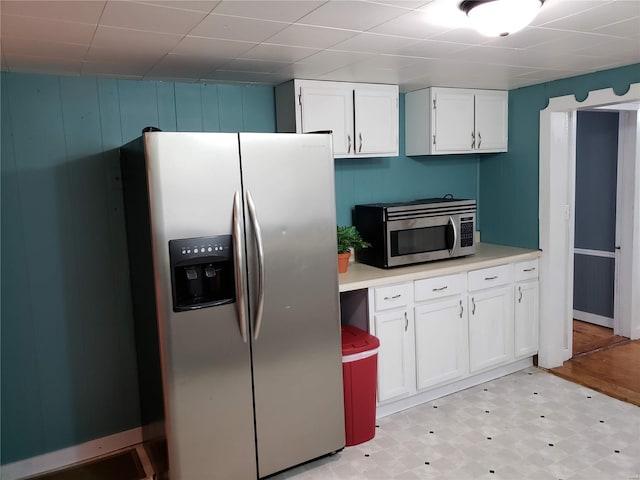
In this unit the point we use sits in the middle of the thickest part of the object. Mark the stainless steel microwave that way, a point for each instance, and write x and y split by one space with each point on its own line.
418 231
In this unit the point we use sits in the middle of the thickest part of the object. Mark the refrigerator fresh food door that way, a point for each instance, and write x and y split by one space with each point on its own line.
297 364
193 179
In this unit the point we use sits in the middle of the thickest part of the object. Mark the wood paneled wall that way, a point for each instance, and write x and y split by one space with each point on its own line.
68 353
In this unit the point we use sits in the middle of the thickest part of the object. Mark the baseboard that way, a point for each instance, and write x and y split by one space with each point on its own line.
593 318
448 389
71 455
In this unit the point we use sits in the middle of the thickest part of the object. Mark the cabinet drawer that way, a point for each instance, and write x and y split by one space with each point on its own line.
527 270
490 277
438 287
392 296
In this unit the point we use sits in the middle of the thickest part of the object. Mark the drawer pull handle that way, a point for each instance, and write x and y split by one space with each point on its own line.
394 296
461 309
406 321
520 292
491 278
473 302
440 289
529 269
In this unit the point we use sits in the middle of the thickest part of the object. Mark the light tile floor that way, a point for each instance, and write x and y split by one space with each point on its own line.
527 425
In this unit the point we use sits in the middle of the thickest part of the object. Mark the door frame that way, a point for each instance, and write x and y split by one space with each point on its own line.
557 157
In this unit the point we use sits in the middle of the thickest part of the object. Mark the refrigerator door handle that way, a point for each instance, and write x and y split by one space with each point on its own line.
237 253
257 231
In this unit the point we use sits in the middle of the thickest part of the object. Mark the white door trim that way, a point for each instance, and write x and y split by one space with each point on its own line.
556 203
627 289
593 318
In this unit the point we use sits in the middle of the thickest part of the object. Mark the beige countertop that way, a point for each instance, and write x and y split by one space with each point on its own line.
487 255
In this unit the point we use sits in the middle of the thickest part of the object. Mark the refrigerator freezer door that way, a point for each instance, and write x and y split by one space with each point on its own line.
297 363
193 178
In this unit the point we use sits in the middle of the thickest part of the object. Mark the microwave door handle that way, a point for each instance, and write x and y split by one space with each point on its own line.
455 235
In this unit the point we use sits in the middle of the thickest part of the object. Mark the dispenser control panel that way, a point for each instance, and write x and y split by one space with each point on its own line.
202 272
188 248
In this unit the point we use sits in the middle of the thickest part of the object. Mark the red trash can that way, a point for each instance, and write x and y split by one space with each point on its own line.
359 373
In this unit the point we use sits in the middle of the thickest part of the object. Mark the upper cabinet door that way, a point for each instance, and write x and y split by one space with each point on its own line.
362 116
442 121
376 120
453 121
329 108
491 121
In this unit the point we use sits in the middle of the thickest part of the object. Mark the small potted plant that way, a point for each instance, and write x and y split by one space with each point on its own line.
348 238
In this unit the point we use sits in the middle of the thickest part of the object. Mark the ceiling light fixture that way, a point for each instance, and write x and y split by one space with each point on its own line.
499 18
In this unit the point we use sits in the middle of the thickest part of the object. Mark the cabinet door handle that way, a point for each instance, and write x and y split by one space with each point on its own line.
392 297
360 147
440 289
491 278
520 292
348 143
529 269
406 321
473 309
461 309
473 140
479 139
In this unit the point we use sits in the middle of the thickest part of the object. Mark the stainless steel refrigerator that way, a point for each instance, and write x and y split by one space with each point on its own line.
232 237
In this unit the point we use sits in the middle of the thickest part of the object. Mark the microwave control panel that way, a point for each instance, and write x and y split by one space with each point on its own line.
466 232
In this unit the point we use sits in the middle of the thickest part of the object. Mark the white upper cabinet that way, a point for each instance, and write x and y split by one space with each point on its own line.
328 108
376 120
454 120
362 117
491 117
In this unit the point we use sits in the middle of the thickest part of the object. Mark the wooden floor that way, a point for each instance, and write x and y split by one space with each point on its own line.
588 337
604 362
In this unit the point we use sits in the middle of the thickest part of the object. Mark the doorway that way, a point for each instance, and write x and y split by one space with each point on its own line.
596 235
595 216
556 213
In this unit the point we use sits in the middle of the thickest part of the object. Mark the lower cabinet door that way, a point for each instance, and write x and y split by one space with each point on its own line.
441 341
490 327
395 372
526 319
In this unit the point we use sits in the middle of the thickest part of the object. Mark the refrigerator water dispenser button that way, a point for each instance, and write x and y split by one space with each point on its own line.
192 274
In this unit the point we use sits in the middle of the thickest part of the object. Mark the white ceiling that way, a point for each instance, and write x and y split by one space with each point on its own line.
413 43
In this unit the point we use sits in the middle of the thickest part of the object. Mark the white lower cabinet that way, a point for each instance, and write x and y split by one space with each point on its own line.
438 334
393 325
441 341
526 319
490 327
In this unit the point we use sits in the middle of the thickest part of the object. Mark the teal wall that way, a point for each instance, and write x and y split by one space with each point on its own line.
509 181
67 347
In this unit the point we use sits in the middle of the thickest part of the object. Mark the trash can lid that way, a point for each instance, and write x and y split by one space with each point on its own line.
355 340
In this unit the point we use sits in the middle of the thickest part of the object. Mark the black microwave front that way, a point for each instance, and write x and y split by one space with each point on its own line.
419 231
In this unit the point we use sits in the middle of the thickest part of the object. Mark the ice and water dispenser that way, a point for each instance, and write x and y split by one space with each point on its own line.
202 272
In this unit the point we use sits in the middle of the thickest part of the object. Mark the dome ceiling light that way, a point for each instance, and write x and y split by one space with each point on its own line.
499 18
